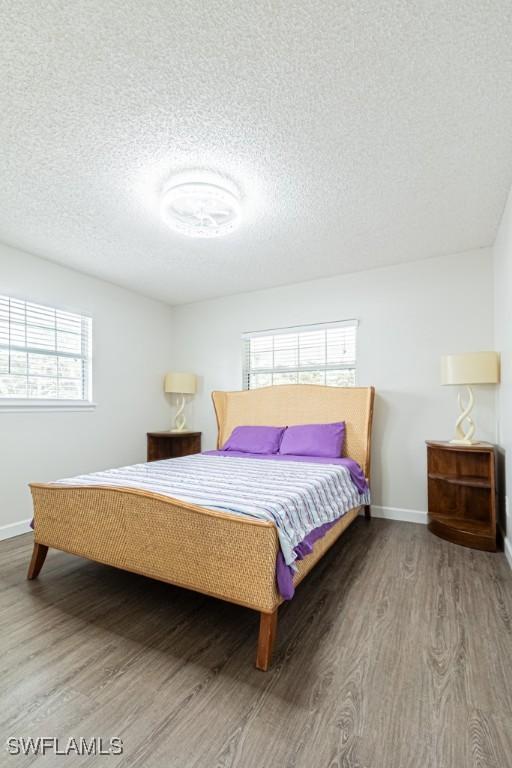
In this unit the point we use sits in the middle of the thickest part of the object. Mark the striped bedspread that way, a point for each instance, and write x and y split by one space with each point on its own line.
297 497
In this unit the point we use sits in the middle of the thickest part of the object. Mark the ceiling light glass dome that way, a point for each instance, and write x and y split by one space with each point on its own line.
200 209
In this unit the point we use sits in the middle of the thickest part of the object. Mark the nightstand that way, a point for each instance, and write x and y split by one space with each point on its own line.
170 445
462 493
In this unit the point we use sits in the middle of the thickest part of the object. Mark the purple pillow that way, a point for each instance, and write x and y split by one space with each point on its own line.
314 440
254 439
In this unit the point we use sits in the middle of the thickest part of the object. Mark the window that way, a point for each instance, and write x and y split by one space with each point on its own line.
45 355
311 354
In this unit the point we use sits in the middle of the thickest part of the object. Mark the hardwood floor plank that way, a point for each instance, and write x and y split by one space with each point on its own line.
490 740
395 653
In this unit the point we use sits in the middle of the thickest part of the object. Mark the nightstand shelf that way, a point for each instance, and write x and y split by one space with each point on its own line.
473 527
170 445
462 493
472 482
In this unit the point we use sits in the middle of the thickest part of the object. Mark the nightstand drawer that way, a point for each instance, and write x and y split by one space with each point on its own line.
170 445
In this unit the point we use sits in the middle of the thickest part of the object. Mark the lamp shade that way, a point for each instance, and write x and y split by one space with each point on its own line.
472 368
180 383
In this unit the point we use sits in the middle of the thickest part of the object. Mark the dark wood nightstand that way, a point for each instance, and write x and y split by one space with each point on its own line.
462 493
170 445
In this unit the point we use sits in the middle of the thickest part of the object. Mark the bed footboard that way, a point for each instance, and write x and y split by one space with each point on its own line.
214 553
211 552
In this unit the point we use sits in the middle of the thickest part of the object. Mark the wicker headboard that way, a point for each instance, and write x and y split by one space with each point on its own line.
286 405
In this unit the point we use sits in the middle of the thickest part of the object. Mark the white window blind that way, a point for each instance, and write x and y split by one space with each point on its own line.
45 354
314 354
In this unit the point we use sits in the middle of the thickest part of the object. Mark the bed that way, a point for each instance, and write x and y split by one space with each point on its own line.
211 551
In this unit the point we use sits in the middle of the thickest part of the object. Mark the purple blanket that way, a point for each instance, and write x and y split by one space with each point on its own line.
285 573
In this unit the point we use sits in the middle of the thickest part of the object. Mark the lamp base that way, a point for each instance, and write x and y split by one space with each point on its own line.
465 437
180 422
463 442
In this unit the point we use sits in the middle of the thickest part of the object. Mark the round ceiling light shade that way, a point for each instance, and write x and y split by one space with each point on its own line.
200 209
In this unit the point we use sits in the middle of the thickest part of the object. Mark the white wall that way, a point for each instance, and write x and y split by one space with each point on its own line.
409 315
132 338
503 331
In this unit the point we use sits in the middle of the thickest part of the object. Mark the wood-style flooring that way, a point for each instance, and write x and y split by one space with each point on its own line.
396 652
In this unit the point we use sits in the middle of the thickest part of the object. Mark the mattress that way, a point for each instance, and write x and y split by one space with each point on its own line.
303 499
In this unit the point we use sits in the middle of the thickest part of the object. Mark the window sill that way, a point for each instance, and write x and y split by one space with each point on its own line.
29 406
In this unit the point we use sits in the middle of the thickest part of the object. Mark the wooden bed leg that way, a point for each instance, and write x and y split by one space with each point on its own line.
38 557
367 512
266 639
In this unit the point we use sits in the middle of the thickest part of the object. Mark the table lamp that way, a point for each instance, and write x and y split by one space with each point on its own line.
465 370
180 384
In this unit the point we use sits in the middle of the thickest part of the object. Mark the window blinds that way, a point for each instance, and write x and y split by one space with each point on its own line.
45 353
315 354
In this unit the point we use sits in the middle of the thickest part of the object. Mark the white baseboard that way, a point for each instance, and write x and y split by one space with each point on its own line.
508 550
395 513
14 529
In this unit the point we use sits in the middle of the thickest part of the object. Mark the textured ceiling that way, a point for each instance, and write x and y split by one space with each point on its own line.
359 133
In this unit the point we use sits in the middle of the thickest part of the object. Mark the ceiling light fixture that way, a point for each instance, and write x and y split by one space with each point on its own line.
200 209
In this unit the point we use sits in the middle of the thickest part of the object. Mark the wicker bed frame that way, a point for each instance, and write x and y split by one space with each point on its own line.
215 553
